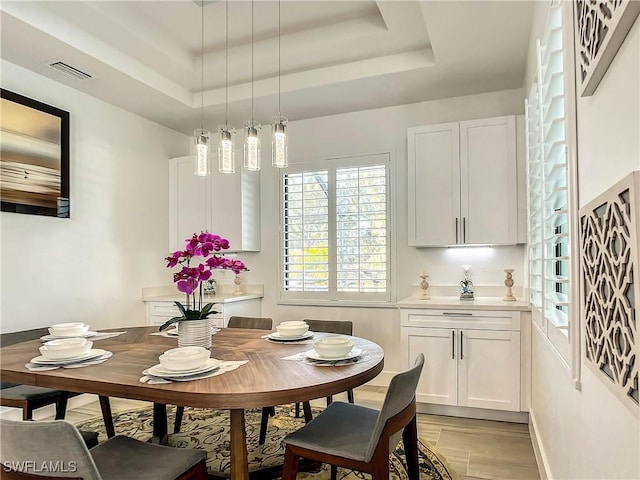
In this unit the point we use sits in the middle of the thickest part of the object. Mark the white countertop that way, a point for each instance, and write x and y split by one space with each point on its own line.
218 298
480 303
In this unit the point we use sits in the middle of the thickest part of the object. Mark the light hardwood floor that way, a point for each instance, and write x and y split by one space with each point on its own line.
476 449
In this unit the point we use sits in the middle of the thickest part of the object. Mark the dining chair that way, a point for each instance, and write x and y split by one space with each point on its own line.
342 327
29 398
361 438
30 445
256 323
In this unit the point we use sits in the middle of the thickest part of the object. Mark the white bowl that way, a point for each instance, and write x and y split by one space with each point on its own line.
68 329
333 347
65 348
184 358
292 328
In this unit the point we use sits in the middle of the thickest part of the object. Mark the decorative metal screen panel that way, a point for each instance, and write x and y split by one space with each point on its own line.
602 27
609 245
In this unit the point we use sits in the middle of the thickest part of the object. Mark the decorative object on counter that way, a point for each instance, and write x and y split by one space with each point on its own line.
210 287
194 326
237 281
508 282
466 285
424 285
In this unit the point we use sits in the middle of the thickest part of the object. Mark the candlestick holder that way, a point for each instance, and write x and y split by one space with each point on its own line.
508 282
238 283
424 285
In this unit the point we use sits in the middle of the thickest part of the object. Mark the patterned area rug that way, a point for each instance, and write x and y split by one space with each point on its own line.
209 430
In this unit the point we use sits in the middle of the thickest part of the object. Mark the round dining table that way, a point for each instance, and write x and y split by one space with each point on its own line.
267 378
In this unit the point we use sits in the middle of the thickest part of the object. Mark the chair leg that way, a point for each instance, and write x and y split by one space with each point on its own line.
297 409
290 467
308 416
177 424
329 400
264 423
61 405
334 472
105 406
350 396
27 412
410 441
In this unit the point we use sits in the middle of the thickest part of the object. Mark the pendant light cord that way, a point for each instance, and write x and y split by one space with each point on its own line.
226 68
279 91
202 65
252 61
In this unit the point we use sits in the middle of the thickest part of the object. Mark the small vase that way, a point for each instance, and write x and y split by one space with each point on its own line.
194 333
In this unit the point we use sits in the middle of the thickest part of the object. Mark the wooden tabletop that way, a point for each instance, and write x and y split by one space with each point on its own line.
265 380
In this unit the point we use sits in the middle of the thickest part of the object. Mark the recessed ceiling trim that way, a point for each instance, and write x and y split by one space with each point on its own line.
69 70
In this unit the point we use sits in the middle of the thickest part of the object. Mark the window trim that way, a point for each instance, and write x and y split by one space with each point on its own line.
342 299
568 352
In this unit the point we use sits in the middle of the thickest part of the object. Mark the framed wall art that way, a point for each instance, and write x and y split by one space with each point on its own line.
602 26
34 157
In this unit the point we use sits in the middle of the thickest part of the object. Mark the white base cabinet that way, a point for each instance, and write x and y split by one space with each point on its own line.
468 361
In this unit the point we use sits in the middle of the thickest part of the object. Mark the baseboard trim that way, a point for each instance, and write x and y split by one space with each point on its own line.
479 413
538 448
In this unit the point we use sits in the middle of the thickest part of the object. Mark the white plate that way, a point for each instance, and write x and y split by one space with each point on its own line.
88 334
159 371
279 338
93 353
313 355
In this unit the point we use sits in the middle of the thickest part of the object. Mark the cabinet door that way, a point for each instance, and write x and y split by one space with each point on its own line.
235 209
489 369
489 181
438 380
434 185
188 202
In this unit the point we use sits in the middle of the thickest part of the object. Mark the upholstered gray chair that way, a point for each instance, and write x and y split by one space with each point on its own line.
361 438
342 327
29 398
257 323
59 443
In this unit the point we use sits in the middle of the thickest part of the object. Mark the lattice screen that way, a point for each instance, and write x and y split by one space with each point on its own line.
602 26
609 289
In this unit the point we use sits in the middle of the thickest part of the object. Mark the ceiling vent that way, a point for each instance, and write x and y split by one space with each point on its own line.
69 70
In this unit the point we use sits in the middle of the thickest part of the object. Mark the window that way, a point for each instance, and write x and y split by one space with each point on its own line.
550 139
335 230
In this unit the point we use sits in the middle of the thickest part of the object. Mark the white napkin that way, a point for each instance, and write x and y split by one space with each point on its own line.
226 366
36 367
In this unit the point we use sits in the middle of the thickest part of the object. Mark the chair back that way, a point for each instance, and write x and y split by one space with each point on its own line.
258 323
401 392
343 327
27 446
12 338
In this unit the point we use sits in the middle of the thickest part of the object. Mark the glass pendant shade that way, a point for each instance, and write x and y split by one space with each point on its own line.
252 147
202 152
279 142
226 150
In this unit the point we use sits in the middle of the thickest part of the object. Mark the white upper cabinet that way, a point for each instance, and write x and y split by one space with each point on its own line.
225 204
463 183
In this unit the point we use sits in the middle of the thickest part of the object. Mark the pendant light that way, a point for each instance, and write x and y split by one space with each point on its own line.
201 135
252 142
279 141
226 145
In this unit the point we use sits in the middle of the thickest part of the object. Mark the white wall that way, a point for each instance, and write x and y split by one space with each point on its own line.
382 130
92 266
589 434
